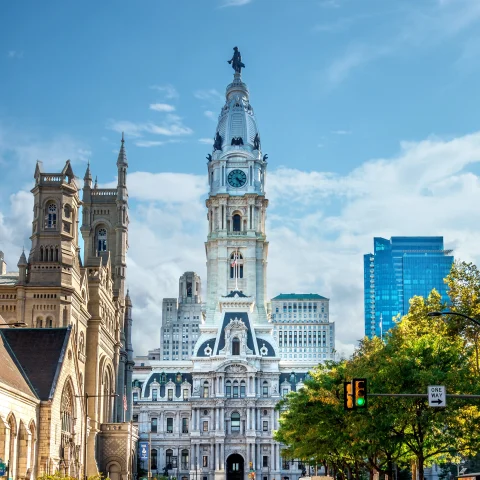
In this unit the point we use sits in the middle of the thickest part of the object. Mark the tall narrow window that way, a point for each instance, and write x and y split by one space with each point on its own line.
169 459
205 390
67 414
265 389
235 422
49 322
228 389
184 425
170 425
154 394
236 265
154 425
185 459
235 346
102 240
51 220
237 222
242 389
235 389
153 459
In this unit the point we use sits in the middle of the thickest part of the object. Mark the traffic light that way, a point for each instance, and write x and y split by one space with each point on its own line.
348 396
360 392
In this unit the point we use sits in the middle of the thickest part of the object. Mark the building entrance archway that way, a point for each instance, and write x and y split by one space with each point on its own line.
235 467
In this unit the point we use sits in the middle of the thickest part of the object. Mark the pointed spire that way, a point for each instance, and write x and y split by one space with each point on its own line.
96 182
128 300
22 262
122 156
87 179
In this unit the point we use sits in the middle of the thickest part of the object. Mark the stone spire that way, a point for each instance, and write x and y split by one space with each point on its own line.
22 262
87 179
122 156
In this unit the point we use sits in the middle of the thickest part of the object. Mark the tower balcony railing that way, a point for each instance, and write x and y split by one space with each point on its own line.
104 192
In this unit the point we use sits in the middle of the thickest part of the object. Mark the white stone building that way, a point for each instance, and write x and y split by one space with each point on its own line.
302 328
211 417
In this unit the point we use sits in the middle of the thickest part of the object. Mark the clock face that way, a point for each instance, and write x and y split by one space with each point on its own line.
237 178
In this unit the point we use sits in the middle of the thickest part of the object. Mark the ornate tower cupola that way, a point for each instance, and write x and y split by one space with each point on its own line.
236 245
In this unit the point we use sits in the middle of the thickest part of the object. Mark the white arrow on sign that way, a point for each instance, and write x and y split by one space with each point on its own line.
437 396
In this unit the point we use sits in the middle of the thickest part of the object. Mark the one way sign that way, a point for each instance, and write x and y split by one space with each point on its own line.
437 396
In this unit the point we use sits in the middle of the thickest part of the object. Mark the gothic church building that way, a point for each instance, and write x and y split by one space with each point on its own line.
65 334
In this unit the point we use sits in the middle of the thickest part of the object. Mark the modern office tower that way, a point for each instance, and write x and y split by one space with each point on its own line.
302 328
397 270
180 321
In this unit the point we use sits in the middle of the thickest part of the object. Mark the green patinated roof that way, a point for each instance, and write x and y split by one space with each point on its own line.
299 296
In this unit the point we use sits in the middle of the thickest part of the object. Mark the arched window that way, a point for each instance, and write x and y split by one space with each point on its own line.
51 215
66 416
265 389
205 389
67 211
237 222
242 389
49 322
169 459
235 422
185 460
228 388
153 459
41 254
107 392
236 265
235 346
235 389
39 323
102 240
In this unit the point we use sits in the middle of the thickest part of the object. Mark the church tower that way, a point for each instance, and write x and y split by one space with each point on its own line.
53 258
236 246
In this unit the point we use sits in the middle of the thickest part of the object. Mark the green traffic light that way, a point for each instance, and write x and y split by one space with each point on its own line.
360 402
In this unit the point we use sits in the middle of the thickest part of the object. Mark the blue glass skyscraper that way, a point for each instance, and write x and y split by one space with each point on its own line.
397 270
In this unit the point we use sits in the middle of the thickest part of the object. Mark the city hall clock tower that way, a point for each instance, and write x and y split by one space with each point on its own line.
236 245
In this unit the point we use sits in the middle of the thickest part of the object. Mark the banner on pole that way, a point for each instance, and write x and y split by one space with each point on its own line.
143 448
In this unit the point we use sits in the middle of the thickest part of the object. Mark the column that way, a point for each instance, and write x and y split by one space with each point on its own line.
211 463
218 455
222 453
279 463
272 427
259 454
248 418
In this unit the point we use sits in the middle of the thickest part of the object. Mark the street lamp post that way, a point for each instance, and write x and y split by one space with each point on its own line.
86 396
439 314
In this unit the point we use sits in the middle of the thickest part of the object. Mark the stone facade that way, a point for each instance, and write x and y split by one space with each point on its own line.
212 417
56 290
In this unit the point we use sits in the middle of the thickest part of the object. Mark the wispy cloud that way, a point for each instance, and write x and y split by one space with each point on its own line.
234 3
424 27
14 54
172 126
211 95
162 107
209 114
206 141
152 143
341 132
330 4
168 90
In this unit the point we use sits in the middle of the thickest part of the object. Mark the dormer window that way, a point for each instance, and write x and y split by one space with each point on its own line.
235 346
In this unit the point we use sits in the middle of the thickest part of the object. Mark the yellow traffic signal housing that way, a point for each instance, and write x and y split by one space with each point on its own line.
348 396
360 392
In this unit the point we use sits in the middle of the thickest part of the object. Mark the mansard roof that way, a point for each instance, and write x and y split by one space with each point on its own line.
40 353
299 296
243 316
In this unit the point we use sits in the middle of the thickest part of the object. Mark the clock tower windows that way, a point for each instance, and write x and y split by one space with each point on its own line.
236 265
237 222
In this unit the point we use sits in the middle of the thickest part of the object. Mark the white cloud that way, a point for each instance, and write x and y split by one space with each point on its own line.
319 225
341 132
209 114
210 95
149 143
14 54
234 3
168 90
162 107
206 141
424 27
172 126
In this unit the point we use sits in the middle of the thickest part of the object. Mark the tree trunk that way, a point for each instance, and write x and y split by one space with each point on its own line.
421 463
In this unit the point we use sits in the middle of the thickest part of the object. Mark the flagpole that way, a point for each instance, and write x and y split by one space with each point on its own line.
236 269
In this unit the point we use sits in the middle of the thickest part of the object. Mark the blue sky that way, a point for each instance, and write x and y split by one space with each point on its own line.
368 111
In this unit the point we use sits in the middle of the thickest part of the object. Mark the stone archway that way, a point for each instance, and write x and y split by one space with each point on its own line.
114 471
235 467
